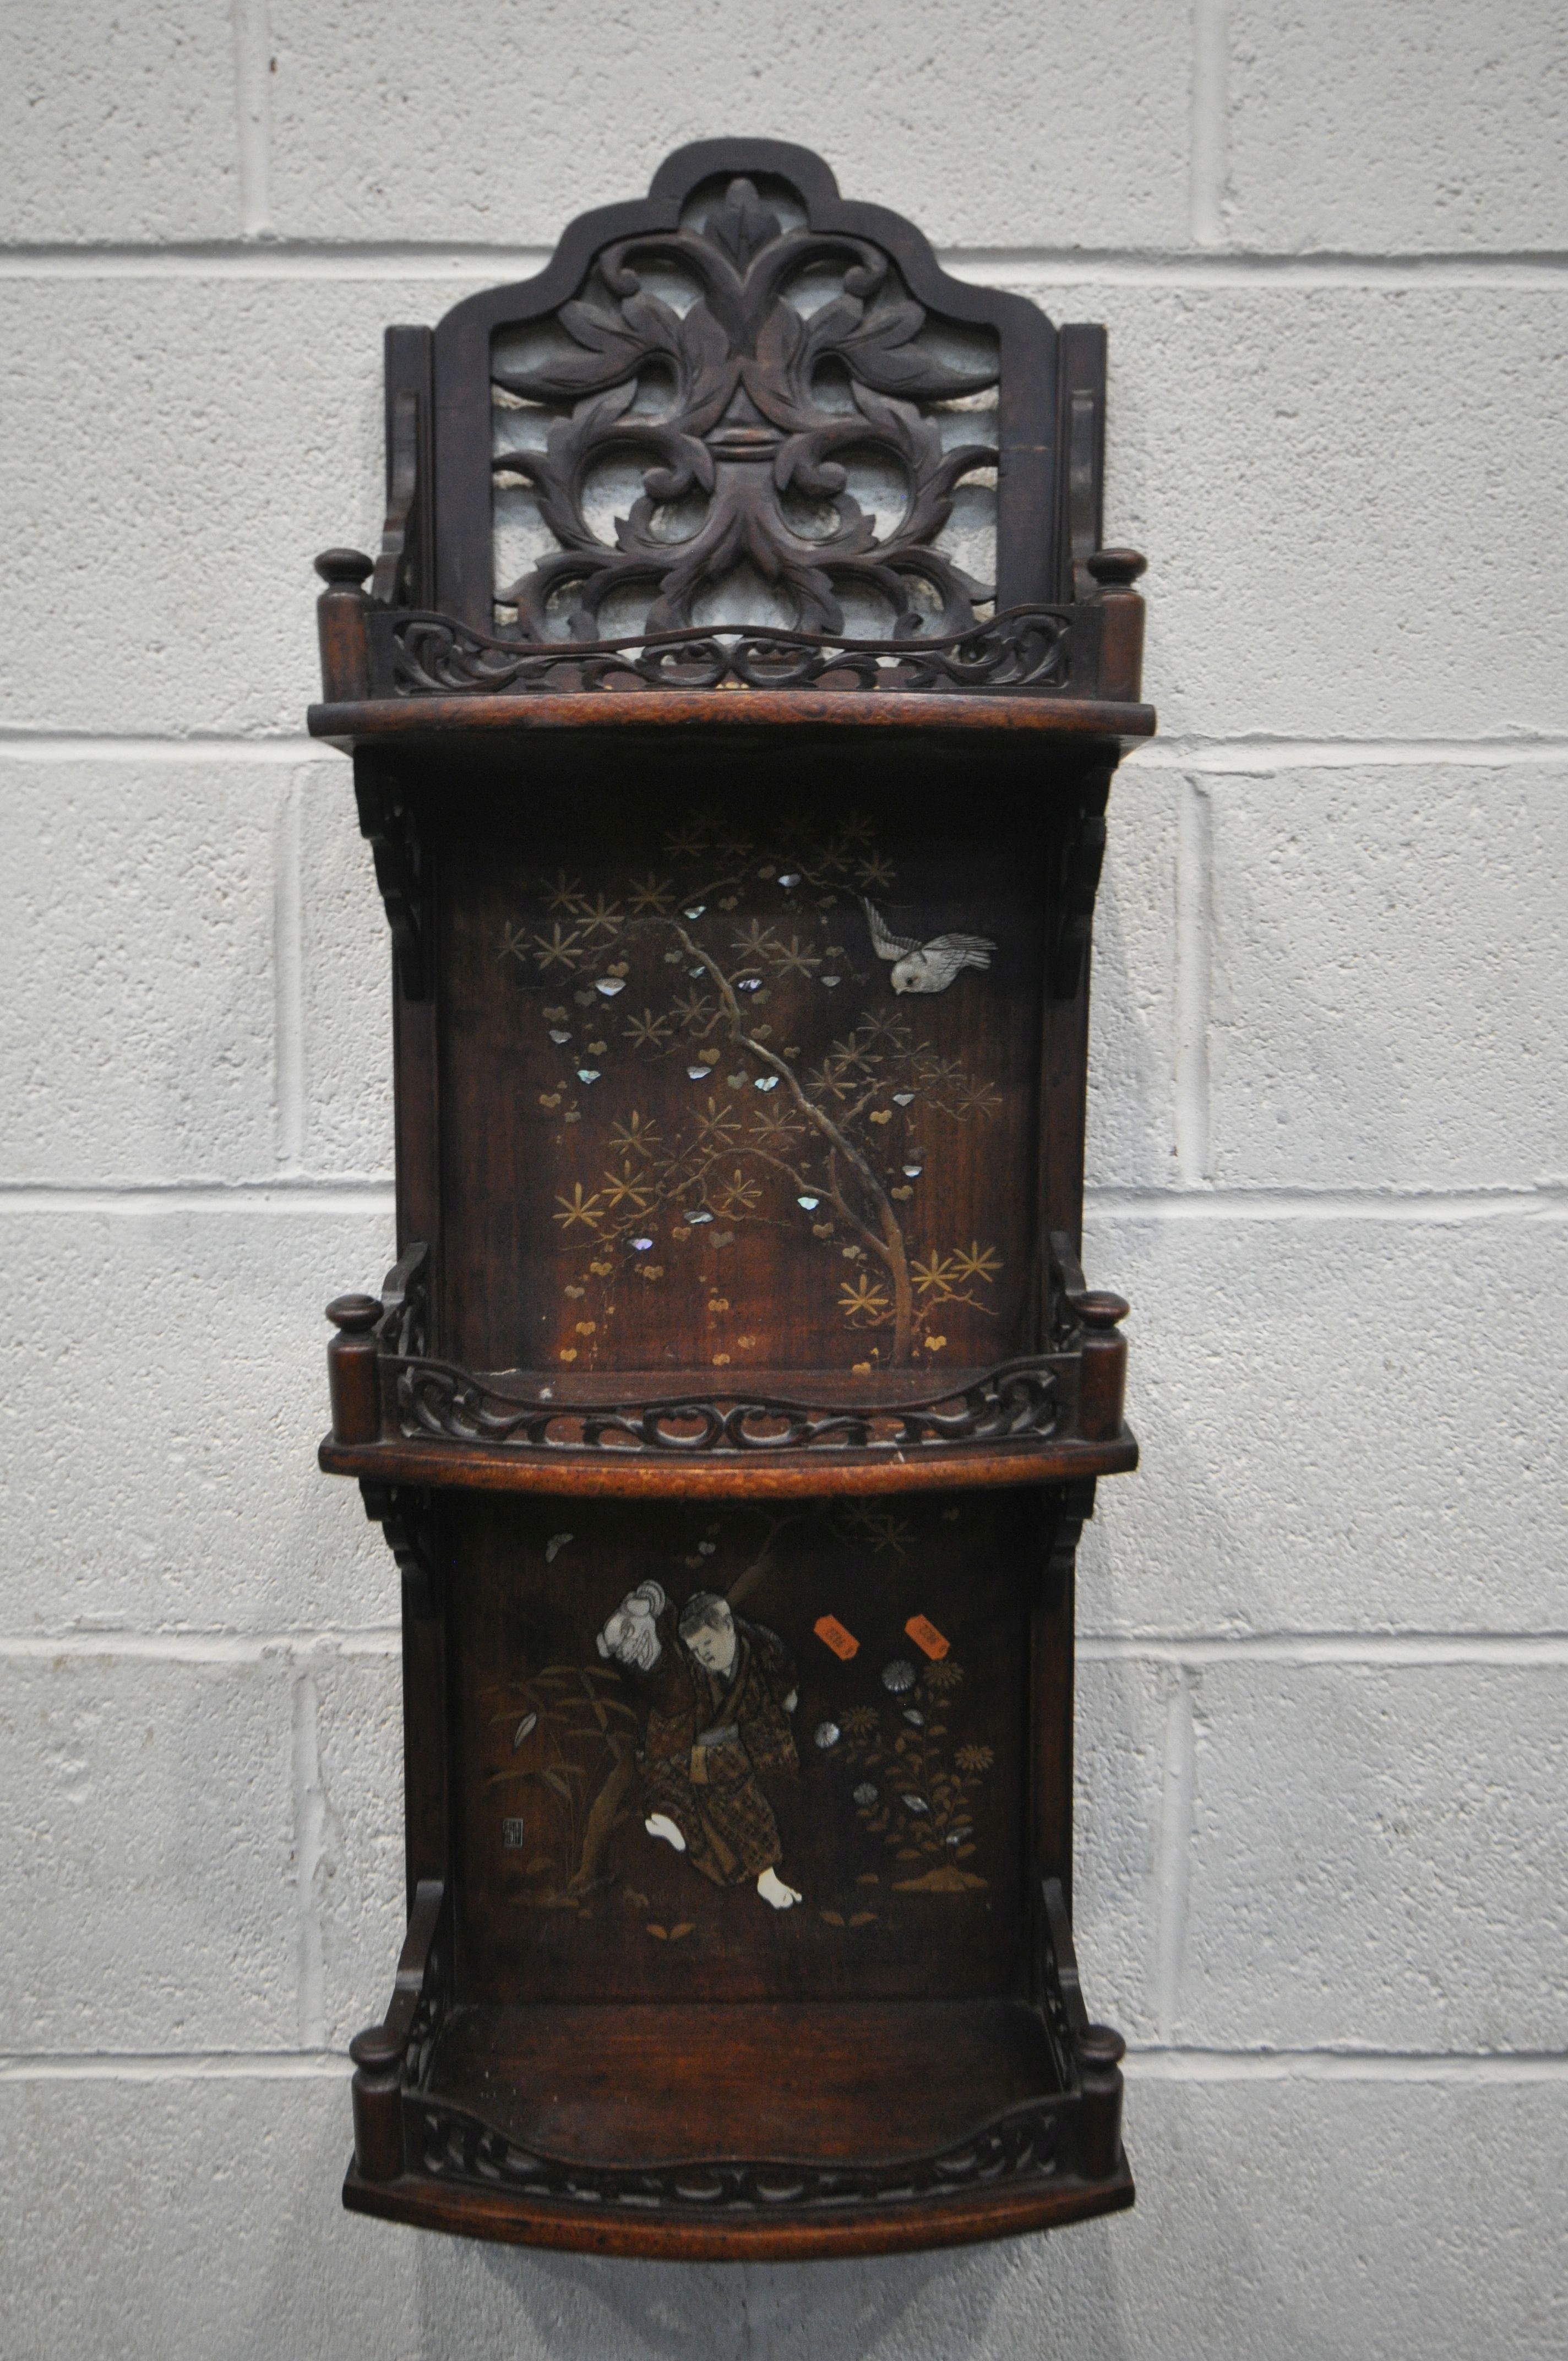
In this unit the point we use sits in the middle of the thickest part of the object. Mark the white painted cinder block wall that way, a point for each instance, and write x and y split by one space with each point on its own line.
1323 1883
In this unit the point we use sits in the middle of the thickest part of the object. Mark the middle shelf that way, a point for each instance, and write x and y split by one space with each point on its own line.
403 1416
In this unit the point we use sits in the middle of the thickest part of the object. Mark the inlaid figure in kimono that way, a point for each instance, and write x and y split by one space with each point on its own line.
718 1692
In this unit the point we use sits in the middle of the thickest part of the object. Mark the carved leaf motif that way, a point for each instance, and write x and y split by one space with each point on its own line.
753 425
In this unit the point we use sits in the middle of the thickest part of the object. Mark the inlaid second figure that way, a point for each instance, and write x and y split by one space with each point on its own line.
717 1692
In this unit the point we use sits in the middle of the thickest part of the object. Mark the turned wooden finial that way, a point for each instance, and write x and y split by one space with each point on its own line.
1114 569
352 1367
377 2054
1099 1308
1100 2046
345 566
1100 2050
341 626
378 2049
1101 1365
354 1313
1120 611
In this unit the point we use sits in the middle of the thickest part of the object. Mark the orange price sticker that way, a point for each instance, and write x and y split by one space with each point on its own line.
926 1635
832 1634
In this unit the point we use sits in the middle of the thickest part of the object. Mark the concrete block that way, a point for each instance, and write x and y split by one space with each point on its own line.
170 1390
1377 1858
147 1848
264 396
355 1817
345 985
1317 475
1347 1425
1122 1741
1420 130
137 953
1132 1001
516 138
1298 2221
196 2219
126 131
1389 979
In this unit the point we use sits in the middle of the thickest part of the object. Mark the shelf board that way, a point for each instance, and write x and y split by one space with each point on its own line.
377 720
612 1474
728 2131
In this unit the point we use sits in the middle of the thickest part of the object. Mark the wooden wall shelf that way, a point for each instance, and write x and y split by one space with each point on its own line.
737 1400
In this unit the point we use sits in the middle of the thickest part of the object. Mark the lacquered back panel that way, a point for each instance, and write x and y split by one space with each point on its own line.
898 1811
693 1121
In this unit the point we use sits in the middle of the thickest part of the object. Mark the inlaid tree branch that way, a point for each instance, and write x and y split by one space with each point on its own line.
662 969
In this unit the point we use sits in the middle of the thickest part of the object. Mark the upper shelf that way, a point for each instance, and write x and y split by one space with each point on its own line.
397 673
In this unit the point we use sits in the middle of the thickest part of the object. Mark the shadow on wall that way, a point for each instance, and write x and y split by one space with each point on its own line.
1032 2298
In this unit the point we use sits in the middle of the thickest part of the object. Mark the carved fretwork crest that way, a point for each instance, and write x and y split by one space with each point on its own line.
772 356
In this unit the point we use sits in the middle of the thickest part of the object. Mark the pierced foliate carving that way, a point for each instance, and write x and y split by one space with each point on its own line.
1027 647
1014 1403
797 350
454 2145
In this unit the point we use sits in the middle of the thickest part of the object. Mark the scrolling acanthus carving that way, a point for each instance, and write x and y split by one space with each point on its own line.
748 403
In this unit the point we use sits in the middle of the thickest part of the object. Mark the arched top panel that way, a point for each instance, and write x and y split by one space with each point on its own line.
744 400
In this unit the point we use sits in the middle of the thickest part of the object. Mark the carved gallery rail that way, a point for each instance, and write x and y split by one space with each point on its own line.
1029 647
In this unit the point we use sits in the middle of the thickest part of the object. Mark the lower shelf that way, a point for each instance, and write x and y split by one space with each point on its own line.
745 2131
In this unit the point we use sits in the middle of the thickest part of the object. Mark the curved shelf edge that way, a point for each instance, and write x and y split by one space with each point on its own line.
627 1475
377 720
939 2221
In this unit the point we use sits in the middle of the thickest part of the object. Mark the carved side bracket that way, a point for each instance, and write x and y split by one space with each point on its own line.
406 1516
1080 442
387 820
1073 1505
389 583
1080 849
404 570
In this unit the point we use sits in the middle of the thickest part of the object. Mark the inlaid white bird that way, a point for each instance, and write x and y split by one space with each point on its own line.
925 967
